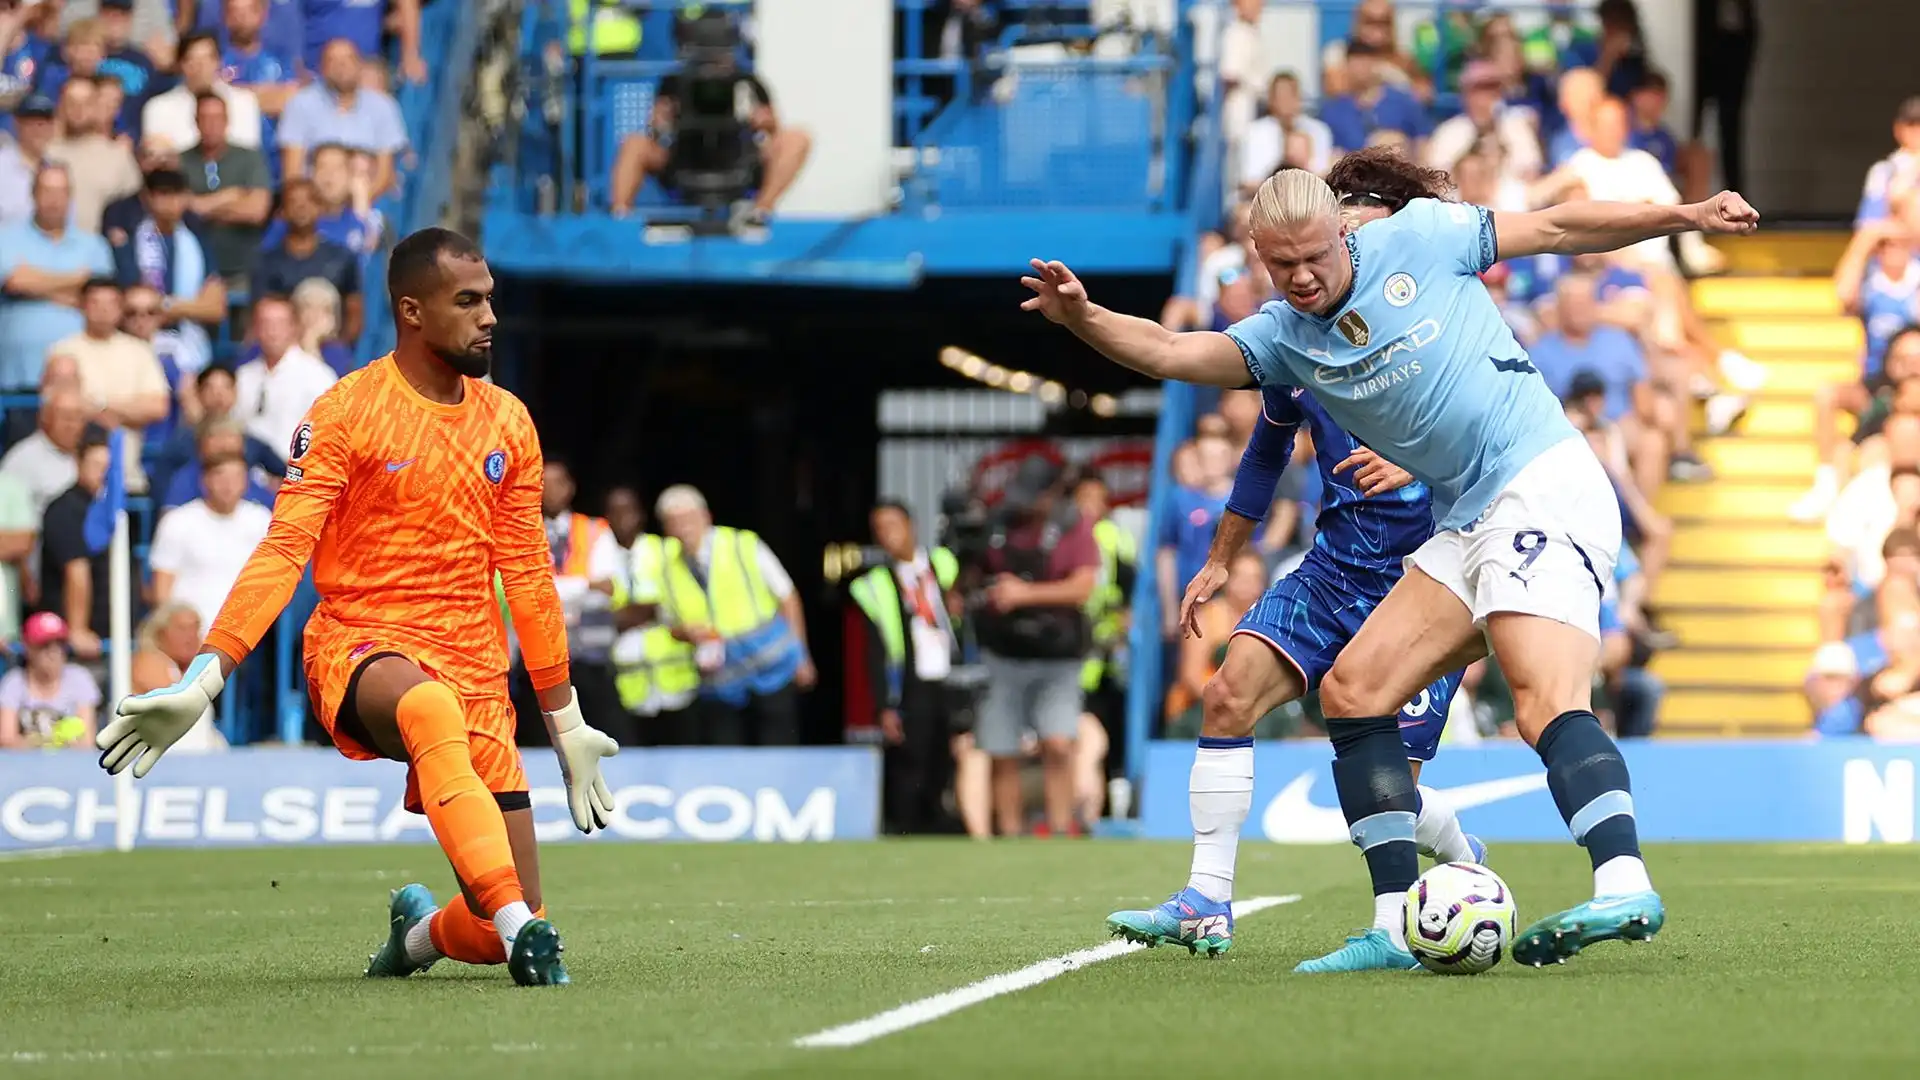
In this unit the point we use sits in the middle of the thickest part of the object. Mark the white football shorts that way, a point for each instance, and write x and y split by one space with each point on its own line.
1545 546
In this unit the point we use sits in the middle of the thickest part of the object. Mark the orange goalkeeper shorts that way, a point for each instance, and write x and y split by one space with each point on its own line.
334 662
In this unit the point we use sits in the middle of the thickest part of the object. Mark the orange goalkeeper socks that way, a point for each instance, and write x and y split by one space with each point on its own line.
461 935
465 817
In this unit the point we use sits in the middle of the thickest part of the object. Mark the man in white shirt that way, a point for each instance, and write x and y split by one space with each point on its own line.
119 376
1264 149
199 549
173 115
48 460
1612 171
1485 115
275 391
1243 69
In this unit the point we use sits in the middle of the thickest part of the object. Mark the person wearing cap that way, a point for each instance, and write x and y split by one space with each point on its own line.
1034 636
49 701
161 252
20 158
1484 114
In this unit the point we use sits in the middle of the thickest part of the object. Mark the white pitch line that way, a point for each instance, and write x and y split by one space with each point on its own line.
915 1013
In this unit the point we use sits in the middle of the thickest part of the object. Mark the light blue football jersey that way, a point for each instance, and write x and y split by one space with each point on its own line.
1417 362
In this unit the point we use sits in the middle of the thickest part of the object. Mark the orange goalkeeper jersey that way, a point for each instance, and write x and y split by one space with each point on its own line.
407 507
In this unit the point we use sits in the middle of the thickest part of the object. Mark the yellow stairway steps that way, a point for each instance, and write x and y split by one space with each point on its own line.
1733 546
1737 669
1756 458
1761 336
1773 629
1727 298
1698 711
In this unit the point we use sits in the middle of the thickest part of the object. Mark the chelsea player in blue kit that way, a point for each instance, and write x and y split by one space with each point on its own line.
1391 328
1281 649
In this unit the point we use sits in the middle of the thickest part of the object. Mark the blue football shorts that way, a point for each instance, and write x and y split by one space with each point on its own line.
1310 615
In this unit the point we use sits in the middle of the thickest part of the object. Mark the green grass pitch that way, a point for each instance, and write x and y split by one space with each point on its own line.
708 961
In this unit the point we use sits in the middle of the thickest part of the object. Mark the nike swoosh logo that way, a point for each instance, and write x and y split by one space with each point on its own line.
1292 817
396 466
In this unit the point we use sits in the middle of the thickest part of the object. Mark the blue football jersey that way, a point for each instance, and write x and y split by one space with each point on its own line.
1416 361
1361 533
1887 307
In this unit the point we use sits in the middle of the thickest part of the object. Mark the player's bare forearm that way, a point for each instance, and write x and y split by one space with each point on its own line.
1230 537
1583 228
227 663
1153 350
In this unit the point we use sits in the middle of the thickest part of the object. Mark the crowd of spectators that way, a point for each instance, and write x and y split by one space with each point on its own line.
1865 674
1521 116
187 201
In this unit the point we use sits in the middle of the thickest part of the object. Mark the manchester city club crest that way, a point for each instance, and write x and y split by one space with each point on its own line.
496 465
1401 290
1355 329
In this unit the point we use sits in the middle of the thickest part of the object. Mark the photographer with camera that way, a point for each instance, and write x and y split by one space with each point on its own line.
1039 569
713 136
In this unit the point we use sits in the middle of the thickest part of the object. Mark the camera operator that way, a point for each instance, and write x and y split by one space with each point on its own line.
712 118
908 600
1034 634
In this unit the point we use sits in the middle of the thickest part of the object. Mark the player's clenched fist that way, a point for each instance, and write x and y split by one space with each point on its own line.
1058 294
1727 212
580 748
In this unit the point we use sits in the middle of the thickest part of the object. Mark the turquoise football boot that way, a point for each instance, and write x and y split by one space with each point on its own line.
1187 919
1371 950
406 906
535 960
1634 917
1479 849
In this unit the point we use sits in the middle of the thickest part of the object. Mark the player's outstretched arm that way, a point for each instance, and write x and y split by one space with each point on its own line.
1580 228
145 725
1254 483
1145 346
525 564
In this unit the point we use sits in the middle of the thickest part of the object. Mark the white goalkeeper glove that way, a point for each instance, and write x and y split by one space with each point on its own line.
581 747
145 725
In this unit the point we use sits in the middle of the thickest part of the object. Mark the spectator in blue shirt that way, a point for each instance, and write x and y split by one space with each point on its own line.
1581 92
251 58
162 253
1581 343
1185 529
260 27
1894 177
302 253
346 217
1649 107
23 49
214 396
361 22
43 265
338 109
223 437
99 48
1372 104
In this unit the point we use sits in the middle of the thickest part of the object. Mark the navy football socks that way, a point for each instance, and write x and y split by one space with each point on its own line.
1378 798
1588 778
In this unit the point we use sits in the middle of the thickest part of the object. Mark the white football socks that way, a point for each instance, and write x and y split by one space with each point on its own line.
1437 833
1219 796
420 947
1390 914
509 919
1621 875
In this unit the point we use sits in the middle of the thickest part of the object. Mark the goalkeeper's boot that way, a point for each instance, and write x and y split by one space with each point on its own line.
535 959
1369 950
1187 919
1634 917
409 905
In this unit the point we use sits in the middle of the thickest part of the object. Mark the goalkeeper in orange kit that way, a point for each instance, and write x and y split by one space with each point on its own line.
409 484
